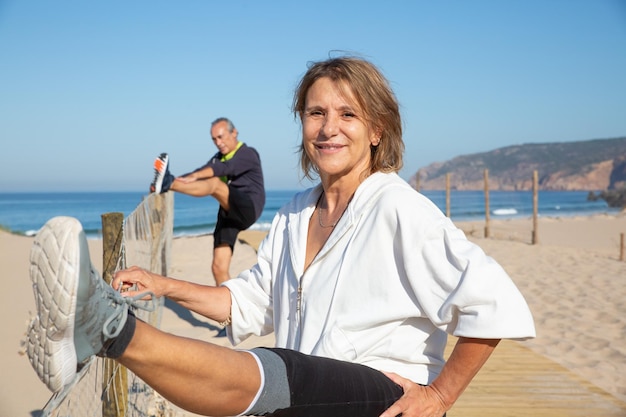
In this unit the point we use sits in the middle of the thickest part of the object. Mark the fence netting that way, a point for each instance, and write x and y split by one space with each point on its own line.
104 388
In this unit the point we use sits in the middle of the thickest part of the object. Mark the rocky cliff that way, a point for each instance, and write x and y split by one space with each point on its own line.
598 164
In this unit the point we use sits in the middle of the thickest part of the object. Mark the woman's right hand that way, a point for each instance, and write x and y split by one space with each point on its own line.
207 300
143 281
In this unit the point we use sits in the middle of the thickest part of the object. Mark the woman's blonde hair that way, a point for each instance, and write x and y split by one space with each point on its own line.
374 98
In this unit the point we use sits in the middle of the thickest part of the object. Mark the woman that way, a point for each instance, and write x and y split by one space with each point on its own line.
360 269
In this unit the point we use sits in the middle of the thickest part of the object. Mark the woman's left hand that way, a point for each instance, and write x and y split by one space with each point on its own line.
417 400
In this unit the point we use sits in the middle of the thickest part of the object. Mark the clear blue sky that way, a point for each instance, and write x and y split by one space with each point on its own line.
91 92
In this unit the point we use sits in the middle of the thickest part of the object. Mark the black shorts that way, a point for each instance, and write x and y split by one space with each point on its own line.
299 385
229 223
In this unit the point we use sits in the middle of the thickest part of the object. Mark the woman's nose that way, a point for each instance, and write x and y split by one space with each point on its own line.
331 126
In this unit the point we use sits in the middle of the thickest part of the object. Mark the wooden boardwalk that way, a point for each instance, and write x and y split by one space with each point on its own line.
518 382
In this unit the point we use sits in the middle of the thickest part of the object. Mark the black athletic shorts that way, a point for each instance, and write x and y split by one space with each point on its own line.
299 385
229 223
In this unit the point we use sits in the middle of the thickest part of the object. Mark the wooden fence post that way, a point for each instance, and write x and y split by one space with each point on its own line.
115 401
535 234
156 225
486 177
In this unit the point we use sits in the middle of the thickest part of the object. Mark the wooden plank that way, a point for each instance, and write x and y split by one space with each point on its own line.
518 382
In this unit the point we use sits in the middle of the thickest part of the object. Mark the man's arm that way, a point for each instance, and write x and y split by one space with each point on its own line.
199 174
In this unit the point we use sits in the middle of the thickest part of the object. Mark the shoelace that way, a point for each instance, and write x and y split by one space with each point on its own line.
121 309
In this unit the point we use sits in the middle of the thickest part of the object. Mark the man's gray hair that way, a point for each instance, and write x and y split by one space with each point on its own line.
230 124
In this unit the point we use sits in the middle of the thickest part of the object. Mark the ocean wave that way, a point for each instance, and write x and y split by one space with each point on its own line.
262 226
504 211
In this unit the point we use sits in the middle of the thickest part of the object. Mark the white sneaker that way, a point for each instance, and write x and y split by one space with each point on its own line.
161 171
78 314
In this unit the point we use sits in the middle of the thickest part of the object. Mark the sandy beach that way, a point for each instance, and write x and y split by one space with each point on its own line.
572 279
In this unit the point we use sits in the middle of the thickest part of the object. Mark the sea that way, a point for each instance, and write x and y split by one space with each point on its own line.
25 213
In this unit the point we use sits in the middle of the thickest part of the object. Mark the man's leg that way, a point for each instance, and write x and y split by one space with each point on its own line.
164 181
216 188
213 187
222 255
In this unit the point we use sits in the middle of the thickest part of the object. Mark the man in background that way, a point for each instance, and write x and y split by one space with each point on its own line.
233 176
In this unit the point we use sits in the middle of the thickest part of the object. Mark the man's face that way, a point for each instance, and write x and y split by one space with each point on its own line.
224 140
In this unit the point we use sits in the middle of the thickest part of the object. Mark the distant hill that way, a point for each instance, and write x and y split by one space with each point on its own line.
592 165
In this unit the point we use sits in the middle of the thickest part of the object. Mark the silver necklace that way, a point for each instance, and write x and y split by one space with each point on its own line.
319 219
319 214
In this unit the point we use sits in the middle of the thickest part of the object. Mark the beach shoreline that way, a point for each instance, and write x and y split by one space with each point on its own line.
572 279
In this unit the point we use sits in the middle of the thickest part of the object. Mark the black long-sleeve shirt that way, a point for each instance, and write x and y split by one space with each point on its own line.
243 172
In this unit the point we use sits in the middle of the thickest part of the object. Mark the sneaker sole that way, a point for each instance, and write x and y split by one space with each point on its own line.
160 165
57 258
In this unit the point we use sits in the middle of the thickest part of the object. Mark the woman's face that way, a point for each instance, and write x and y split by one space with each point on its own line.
335 135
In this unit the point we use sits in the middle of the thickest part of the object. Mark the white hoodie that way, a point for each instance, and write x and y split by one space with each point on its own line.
393 278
